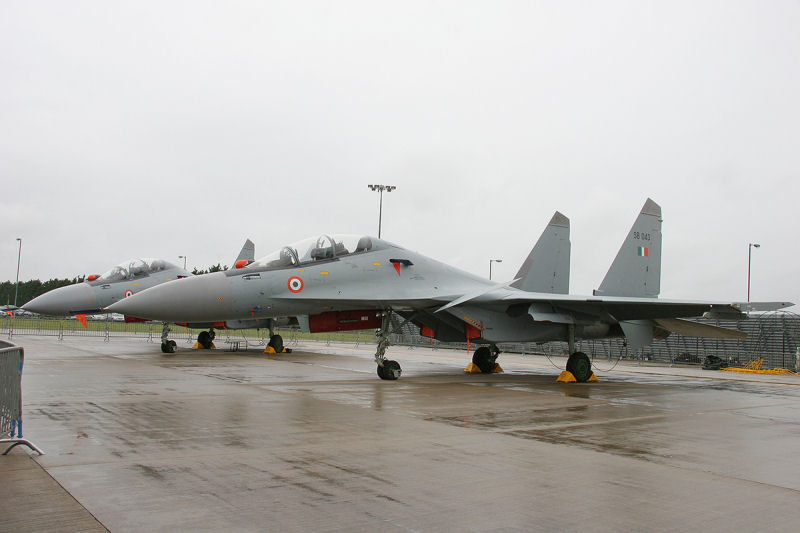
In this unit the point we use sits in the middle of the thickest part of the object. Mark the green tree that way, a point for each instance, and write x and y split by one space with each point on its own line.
213 268
28 290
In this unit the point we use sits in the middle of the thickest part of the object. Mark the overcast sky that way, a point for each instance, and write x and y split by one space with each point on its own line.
160 129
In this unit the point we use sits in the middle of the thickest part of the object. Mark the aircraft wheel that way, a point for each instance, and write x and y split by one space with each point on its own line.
580 366
484 359
390 370
168 346
276 341
205 338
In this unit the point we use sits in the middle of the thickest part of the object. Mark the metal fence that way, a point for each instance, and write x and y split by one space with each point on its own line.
11 360
107 329
771 336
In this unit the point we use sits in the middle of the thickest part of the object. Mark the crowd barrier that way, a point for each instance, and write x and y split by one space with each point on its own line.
11 361
773 337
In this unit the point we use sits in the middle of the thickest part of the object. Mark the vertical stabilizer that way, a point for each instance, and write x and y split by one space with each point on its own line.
248 252
636 271
546 268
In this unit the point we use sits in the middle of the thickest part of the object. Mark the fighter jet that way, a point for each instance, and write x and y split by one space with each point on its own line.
96 293
346 282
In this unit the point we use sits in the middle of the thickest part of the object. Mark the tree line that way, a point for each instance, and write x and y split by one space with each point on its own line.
28 290
213 268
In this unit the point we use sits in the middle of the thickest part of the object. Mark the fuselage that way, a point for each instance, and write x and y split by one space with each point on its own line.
381 277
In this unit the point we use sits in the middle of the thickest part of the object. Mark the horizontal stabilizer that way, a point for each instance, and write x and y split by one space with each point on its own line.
688 328
761 307
546 269
639 333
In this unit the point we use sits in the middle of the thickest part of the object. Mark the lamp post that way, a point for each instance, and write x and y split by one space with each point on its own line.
490 266
19 256
381 188
750 247
184 260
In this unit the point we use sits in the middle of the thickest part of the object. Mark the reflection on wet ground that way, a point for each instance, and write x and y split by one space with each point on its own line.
313 440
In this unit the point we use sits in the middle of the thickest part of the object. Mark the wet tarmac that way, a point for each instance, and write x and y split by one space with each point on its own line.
314 441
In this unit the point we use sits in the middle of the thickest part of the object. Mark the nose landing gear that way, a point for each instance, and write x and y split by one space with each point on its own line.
167 346
387 369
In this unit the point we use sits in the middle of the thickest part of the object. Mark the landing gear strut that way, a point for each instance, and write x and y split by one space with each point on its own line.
387 369
578 363
485 358
167 346
205 338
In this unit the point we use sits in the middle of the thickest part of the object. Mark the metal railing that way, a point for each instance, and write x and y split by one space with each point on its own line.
11 360
771 336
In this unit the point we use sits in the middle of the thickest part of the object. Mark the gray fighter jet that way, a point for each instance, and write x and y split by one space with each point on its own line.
97 293
345 282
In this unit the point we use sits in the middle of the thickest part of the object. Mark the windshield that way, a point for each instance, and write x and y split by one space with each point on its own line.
320 248
135 268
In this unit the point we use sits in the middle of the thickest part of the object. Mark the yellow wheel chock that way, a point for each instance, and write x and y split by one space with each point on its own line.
472 368
567 377
198 346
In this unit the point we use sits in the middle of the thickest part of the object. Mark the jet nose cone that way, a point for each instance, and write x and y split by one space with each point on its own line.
65 301
203 298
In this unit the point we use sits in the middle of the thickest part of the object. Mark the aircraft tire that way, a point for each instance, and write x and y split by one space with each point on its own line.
580 366
390 370
483 359
168 346
276 341
204 338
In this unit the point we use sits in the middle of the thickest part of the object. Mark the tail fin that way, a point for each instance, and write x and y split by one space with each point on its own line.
546 268
248 252
636 271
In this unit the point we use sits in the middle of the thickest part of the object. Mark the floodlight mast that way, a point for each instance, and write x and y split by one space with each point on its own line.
490 266
381 188
750 247
184 260
16 285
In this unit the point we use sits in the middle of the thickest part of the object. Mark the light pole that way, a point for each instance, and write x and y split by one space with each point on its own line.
19 256
381 188
490 266
750 247
184 260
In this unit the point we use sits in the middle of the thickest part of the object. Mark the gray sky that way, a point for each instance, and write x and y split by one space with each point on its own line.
163 128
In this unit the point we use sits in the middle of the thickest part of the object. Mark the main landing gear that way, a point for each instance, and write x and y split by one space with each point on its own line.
580 366
167 346
387 369
206 339
485 358
578 363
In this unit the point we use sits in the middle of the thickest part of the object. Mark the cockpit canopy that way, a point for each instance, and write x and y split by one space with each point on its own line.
320 248
135 268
